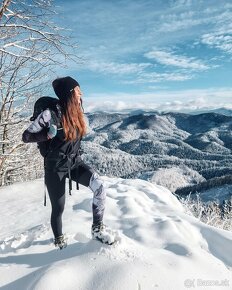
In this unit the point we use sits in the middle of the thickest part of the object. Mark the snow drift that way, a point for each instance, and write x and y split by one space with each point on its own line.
161 246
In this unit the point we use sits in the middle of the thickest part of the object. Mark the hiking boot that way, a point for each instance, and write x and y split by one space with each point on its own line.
97 229
103 234
60 242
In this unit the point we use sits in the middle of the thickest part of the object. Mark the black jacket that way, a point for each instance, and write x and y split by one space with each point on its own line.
59 155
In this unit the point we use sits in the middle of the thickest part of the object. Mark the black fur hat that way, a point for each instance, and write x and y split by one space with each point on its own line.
63 87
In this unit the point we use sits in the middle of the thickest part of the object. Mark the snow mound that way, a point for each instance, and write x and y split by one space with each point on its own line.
157 241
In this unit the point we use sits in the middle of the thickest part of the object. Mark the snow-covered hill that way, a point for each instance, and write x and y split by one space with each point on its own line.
126 145
161 246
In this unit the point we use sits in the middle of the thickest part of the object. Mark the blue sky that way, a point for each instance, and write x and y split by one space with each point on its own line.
151 54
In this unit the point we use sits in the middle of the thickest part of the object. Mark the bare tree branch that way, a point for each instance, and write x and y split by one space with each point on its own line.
4 6
31 49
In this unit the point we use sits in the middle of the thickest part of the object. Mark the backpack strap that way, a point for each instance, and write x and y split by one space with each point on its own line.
45 197
45 187
70 158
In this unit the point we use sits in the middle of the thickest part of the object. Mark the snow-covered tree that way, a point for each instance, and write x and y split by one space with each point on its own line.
31 47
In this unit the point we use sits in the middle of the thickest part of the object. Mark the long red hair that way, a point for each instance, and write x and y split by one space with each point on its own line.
73 118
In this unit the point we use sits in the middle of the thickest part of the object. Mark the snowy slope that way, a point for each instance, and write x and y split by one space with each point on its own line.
161 246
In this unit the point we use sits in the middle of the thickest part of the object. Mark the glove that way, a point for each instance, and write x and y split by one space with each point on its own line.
52 131
42 121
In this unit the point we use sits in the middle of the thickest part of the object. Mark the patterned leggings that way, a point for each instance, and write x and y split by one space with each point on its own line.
84 175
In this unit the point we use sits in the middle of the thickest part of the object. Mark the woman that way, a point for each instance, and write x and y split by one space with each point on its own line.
58 133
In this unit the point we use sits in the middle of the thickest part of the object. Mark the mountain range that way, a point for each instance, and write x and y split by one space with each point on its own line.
171 149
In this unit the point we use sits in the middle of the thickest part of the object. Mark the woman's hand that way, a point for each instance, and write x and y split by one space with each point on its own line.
52 131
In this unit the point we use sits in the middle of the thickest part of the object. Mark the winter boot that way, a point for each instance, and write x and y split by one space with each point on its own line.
60 242
103 234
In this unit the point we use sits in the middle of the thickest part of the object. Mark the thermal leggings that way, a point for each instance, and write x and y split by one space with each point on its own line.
84 175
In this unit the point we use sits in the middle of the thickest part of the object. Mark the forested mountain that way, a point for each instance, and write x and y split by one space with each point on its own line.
176 149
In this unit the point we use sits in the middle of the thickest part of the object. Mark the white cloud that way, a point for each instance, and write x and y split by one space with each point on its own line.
169 58
178 24
221 39
155 77
186 100
116 68
179 106
156 87
194 19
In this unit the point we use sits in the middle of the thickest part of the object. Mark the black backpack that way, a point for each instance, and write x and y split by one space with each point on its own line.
40 105
44 103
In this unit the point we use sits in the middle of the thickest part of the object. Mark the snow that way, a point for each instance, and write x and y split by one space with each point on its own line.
161 247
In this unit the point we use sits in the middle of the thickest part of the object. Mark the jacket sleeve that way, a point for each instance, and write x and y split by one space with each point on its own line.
29 137
40 129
